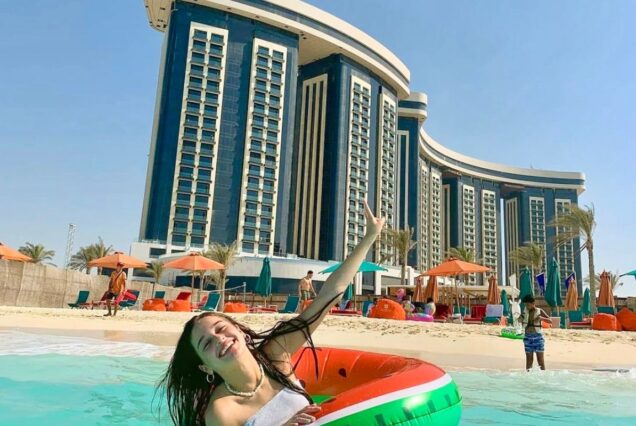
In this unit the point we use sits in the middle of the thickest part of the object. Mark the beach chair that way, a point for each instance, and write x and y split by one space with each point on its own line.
366 306
184 295
494 315
345 309
212 302
606 310
442 312
578 321
130 299
291 305
159 294
81 301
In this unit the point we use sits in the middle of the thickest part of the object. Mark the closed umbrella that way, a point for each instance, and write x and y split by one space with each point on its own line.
553 286
505 302
431 289
494 298
572 296
418 294
7 253
264 282
525 284
586 307
605 293
348 294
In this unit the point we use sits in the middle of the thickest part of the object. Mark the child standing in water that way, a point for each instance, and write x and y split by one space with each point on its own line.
533 341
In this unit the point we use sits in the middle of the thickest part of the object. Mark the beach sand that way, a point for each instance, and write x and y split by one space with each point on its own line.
451 346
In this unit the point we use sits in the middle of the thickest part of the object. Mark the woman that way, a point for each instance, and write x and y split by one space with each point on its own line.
224 373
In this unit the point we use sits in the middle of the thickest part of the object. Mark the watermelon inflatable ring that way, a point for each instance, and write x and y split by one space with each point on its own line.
364 388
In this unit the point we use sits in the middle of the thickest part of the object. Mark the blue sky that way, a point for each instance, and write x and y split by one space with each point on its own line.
539 84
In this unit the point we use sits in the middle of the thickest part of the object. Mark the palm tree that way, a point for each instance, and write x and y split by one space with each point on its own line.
81 259
37 253
573 223
530 254
226 255
156 270
401 244
615 280
461 253
84 255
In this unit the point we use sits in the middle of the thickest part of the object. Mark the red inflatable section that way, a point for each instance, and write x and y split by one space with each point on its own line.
353 376
605 322
179 306
387 309
235 308
154 305
627 319
305 304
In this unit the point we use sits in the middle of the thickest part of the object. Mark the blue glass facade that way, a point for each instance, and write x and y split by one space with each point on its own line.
272 126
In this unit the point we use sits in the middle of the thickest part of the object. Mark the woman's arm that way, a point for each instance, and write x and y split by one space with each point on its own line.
335 285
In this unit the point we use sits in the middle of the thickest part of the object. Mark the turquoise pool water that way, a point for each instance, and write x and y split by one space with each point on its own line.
51 380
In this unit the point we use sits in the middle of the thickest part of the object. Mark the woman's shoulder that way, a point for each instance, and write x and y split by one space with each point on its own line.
221 410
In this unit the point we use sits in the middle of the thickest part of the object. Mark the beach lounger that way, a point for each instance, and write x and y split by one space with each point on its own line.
578 321
344 309
211 303
82 297
606 310
130 299
184 295
291 305
442 312
159 294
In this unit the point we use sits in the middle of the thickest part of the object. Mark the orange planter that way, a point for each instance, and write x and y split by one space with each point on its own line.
154 305
388 309
605 322
235 308
179 306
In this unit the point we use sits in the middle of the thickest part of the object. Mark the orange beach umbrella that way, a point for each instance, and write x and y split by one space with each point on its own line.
7 253
454 266
605 293
112 260
494 297
194 262
572 296
431 289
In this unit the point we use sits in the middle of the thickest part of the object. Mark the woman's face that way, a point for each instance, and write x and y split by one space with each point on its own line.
217 341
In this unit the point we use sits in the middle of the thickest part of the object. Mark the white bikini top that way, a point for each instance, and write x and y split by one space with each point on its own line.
279 409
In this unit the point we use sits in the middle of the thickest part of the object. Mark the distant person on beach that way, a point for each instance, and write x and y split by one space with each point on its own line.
533 341
306 289
429 308
116 286
224 373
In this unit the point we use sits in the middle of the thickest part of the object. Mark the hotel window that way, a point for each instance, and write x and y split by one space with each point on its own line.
538 224
489 229
468 223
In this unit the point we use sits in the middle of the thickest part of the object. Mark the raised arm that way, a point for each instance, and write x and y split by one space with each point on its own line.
335 285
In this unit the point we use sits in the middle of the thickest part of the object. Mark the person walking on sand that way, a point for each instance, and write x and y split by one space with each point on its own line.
306 289
116 286
533 341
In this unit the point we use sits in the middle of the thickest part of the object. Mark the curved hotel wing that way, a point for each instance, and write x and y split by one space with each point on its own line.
274 120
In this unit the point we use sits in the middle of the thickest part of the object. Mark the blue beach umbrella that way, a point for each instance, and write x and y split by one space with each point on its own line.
553 286
525 284
264 282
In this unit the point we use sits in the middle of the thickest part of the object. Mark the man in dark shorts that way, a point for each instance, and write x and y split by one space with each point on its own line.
116 286
533 341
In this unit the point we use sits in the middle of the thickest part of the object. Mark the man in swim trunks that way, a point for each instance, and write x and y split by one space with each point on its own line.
116 285
306 289
533 341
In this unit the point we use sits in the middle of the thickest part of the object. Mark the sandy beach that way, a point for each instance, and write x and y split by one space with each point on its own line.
451 346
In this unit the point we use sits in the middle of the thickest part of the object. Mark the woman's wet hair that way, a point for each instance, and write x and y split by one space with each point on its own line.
187 390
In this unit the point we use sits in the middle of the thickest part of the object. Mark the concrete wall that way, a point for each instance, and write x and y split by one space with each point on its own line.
27 284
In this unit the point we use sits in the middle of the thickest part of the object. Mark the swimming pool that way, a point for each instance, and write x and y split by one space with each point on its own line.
56 380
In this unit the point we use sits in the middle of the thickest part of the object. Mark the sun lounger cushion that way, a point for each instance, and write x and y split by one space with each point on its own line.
154 305
236 307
